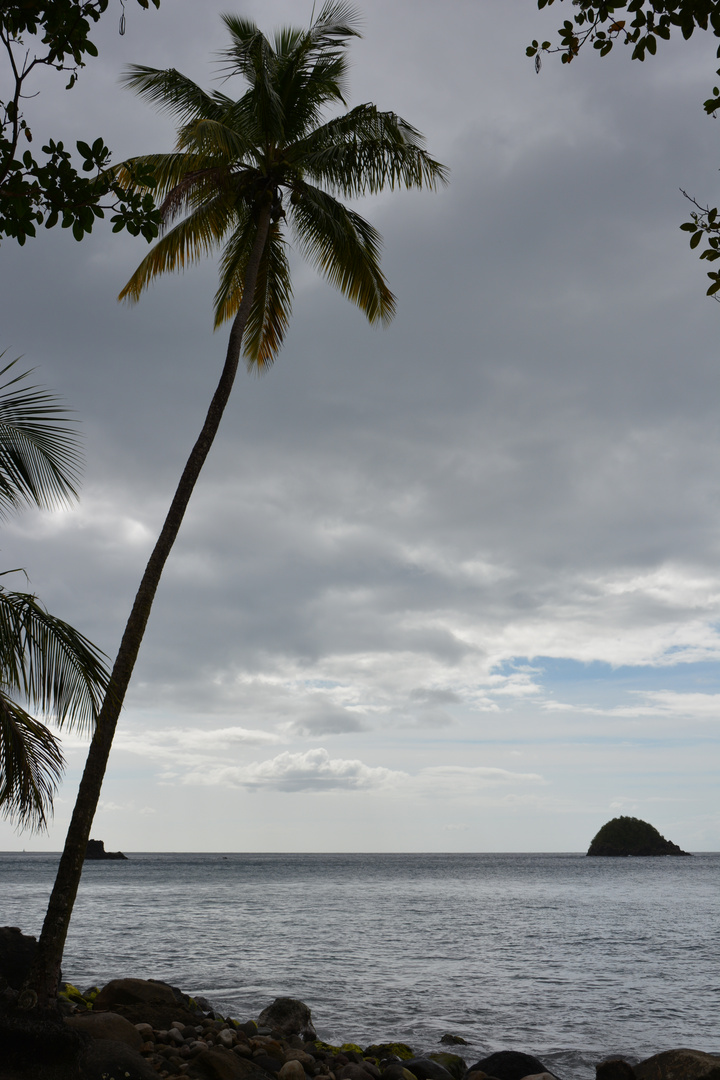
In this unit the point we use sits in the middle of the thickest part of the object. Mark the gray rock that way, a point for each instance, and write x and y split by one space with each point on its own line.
614 1069
427 1069
107 1025
16 953
679 1065
288 1016
145 1001
104 1058
454 1040
509 1065
455 1065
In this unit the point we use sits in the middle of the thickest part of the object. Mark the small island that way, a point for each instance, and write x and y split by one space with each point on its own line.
625 836
96 850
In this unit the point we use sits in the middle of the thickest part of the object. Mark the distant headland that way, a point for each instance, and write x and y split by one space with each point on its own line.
96 850
630 836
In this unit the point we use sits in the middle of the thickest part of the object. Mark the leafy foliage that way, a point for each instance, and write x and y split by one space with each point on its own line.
60 674
38 447
273 147
44 662
50 189
646 22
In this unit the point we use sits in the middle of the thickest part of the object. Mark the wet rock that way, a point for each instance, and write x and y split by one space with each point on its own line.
105 1058
425 1068
509 1065
107 1025
679 1065
292 1070
454 1040
289 1016
38 1046
455 1065
386 1050
16 953
216 1064
397 1071
145 1001
614 1069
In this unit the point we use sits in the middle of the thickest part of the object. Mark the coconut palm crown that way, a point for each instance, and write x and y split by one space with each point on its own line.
270 149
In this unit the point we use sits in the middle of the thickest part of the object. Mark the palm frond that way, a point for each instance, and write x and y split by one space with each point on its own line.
39 452
186 243
174 92
272 304
343 247
48 663
31 763
233 267
365 151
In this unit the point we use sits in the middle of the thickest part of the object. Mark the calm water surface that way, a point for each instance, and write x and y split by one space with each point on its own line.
565 957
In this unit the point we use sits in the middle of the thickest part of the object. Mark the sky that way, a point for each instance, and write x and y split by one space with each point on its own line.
453 585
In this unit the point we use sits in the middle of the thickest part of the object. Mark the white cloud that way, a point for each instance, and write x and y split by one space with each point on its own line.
313 770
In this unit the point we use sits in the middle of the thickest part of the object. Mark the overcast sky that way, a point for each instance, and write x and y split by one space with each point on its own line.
449 586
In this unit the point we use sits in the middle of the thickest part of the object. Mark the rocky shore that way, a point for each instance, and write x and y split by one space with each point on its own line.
136 1029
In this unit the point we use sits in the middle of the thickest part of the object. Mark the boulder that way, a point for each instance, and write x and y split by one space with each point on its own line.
291 1070
386 1050
679 1065
454 1040
96 850
105 1058
424 1068
16 954
509 1065
223 1065
614 1069
38 1046
455 1065
625 836
397 1071
146 1001
108 1025
288 1016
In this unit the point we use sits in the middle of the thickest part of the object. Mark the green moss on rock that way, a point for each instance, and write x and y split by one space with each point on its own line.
625 836
383 1050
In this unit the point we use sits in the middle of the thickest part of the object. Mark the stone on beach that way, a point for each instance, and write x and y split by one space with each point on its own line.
289 1016
145 1001
424 1068
509 1065
107 1025
679 1065
614 1069
16 953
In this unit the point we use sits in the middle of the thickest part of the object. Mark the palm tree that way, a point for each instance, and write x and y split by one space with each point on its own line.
242 171
44 662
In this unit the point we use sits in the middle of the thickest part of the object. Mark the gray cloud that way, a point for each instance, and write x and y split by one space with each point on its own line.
392 525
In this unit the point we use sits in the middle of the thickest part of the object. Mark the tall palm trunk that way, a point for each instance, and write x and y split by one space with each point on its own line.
45 972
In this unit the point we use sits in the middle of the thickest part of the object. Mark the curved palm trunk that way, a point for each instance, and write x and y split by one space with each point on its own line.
45 972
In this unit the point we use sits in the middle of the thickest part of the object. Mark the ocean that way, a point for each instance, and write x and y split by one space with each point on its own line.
564 957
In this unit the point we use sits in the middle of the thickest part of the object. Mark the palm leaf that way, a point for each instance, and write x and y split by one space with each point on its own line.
365 151
31 764
272 304
343 247
173 92
48 663
186 243
39 454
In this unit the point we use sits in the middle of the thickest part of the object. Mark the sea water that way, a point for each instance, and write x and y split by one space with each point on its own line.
568 958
